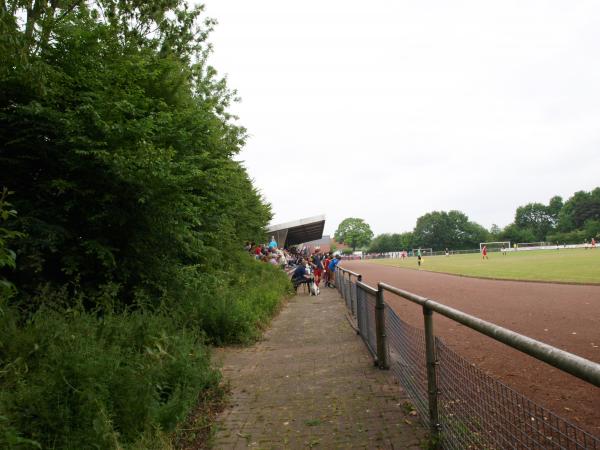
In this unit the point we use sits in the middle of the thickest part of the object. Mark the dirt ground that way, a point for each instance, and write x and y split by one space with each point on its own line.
565 316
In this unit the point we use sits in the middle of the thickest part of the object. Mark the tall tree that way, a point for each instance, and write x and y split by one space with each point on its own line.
554 206
354 232
579 208
537 218
115 136
441 229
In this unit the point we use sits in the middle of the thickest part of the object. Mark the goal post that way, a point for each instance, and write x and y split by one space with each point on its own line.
495 246
424 251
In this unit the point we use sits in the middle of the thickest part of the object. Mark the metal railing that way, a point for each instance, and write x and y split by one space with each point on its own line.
463 406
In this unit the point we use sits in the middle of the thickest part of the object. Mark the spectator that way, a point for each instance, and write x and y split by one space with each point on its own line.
300 275
326 262
273 243
273 259
318 264
332 265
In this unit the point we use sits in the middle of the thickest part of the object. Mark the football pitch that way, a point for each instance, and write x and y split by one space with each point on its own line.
564 265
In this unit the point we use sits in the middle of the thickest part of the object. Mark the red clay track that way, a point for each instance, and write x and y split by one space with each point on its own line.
565 316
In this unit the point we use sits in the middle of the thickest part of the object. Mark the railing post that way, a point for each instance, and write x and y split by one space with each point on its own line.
382 354
432 389
354 302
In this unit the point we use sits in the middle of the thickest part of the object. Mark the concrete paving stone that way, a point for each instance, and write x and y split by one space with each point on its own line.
310 383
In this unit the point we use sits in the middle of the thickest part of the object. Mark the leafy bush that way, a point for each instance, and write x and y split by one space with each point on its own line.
80 381
231 306
7 256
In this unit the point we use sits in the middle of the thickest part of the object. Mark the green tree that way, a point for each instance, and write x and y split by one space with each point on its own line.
8 257
535 217
579 208
114 133
386 242
495 231
441 229
405 240
380 243
353 232
515 234
553 209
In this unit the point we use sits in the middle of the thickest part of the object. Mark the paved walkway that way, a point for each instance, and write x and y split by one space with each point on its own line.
311 384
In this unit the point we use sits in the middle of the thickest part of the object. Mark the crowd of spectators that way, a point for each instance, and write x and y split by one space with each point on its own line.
303 266
270 253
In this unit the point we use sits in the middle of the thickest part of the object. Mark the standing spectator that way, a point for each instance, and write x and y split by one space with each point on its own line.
318 263
332 265
326 262
273 243
281 259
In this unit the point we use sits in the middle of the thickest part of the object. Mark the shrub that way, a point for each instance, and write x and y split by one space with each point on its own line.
80 381
72 379
233 305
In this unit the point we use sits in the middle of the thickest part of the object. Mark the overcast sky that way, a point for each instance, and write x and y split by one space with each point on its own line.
387 110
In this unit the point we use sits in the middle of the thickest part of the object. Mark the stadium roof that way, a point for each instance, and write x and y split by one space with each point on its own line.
298 231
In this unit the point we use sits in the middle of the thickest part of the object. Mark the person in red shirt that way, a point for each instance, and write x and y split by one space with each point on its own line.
317 260
484 252
326 262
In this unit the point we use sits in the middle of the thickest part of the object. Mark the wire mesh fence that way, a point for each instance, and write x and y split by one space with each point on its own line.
478 411
370 336
344 282
353 297
407 358
474 410
365 317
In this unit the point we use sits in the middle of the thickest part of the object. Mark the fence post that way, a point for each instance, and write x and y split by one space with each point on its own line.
382 354
432 389
354 304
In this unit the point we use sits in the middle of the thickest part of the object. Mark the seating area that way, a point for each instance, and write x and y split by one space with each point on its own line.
305 268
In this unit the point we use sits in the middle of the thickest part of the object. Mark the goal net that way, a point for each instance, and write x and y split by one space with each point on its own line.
424 251
495 246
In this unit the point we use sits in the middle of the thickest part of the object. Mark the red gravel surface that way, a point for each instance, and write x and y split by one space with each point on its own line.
565 316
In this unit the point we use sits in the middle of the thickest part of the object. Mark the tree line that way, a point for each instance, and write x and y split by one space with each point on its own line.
123 225
575 220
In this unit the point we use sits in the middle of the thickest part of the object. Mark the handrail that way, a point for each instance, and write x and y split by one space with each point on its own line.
575 365
357 275
366 287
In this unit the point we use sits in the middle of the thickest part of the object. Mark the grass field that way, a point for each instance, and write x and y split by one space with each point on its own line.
566 265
